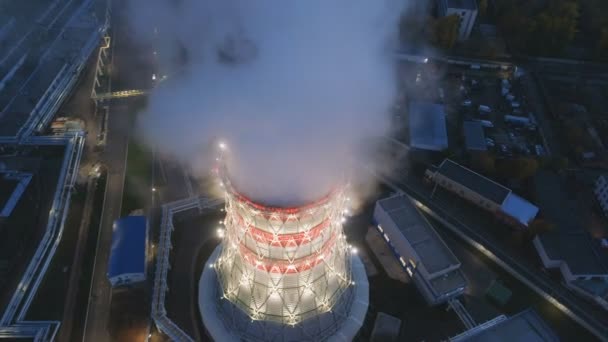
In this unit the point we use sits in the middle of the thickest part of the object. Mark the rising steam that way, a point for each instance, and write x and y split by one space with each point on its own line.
295 88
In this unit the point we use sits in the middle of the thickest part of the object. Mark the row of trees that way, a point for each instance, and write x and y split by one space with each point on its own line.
542 27
548 26
518 169
536 27
441 32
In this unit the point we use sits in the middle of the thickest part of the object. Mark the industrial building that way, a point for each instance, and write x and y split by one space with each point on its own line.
581 261
525 326
283 273
420 251
465 9
427 127
128 254
601 192
483 192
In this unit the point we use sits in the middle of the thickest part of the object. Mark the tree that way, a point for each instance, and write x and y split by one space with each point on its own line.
559 163
543 26
444 32
557 26
486 163
483 7
518 169
412 27
539 226
602 45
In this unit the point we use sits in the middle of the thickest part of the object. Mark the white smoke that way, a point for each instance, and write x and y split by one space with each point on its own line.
314 80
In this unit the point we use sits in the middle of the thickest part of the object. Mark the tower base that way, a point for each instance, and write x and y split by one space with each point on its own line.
224 321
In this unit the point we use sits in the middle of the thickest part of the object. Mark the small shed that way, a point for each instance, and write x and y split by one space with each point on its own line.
128 254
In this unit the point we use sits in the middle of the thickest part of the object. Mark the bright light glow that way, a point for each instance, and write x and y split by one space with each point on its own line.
153 77
221 233
354 250
222 145
153 189
273 247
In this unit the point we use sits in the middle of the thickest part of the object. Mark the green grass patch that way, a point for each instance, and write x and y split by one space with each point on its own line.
138 178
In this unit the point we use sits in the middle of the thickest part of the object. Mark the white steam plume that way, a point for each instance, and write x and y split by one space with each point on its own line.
295 110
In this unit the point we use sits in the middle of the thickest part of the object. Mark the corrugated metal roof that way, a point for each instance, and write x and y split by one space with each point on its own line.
128 251
474 181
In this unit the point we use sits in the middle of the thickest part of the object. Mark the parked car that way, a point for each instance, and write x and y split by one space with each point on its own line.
484 109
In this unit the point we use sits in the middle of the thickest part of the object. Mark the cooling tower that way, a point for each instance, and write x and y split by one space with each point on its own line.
283 273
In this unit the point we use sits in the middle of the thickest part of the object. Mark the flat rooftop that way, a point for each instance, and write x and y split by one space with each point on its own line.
576 250
519 208
434 255
474 181
474 137
525 326
427 126
569 241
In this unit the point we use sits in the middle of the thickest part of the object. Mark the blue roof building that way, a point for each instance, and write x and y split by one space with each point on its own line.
127 264
427 126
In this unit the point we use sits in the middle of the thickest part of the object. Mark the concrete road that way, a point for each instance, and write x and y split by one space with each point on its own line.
115 159
68 313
